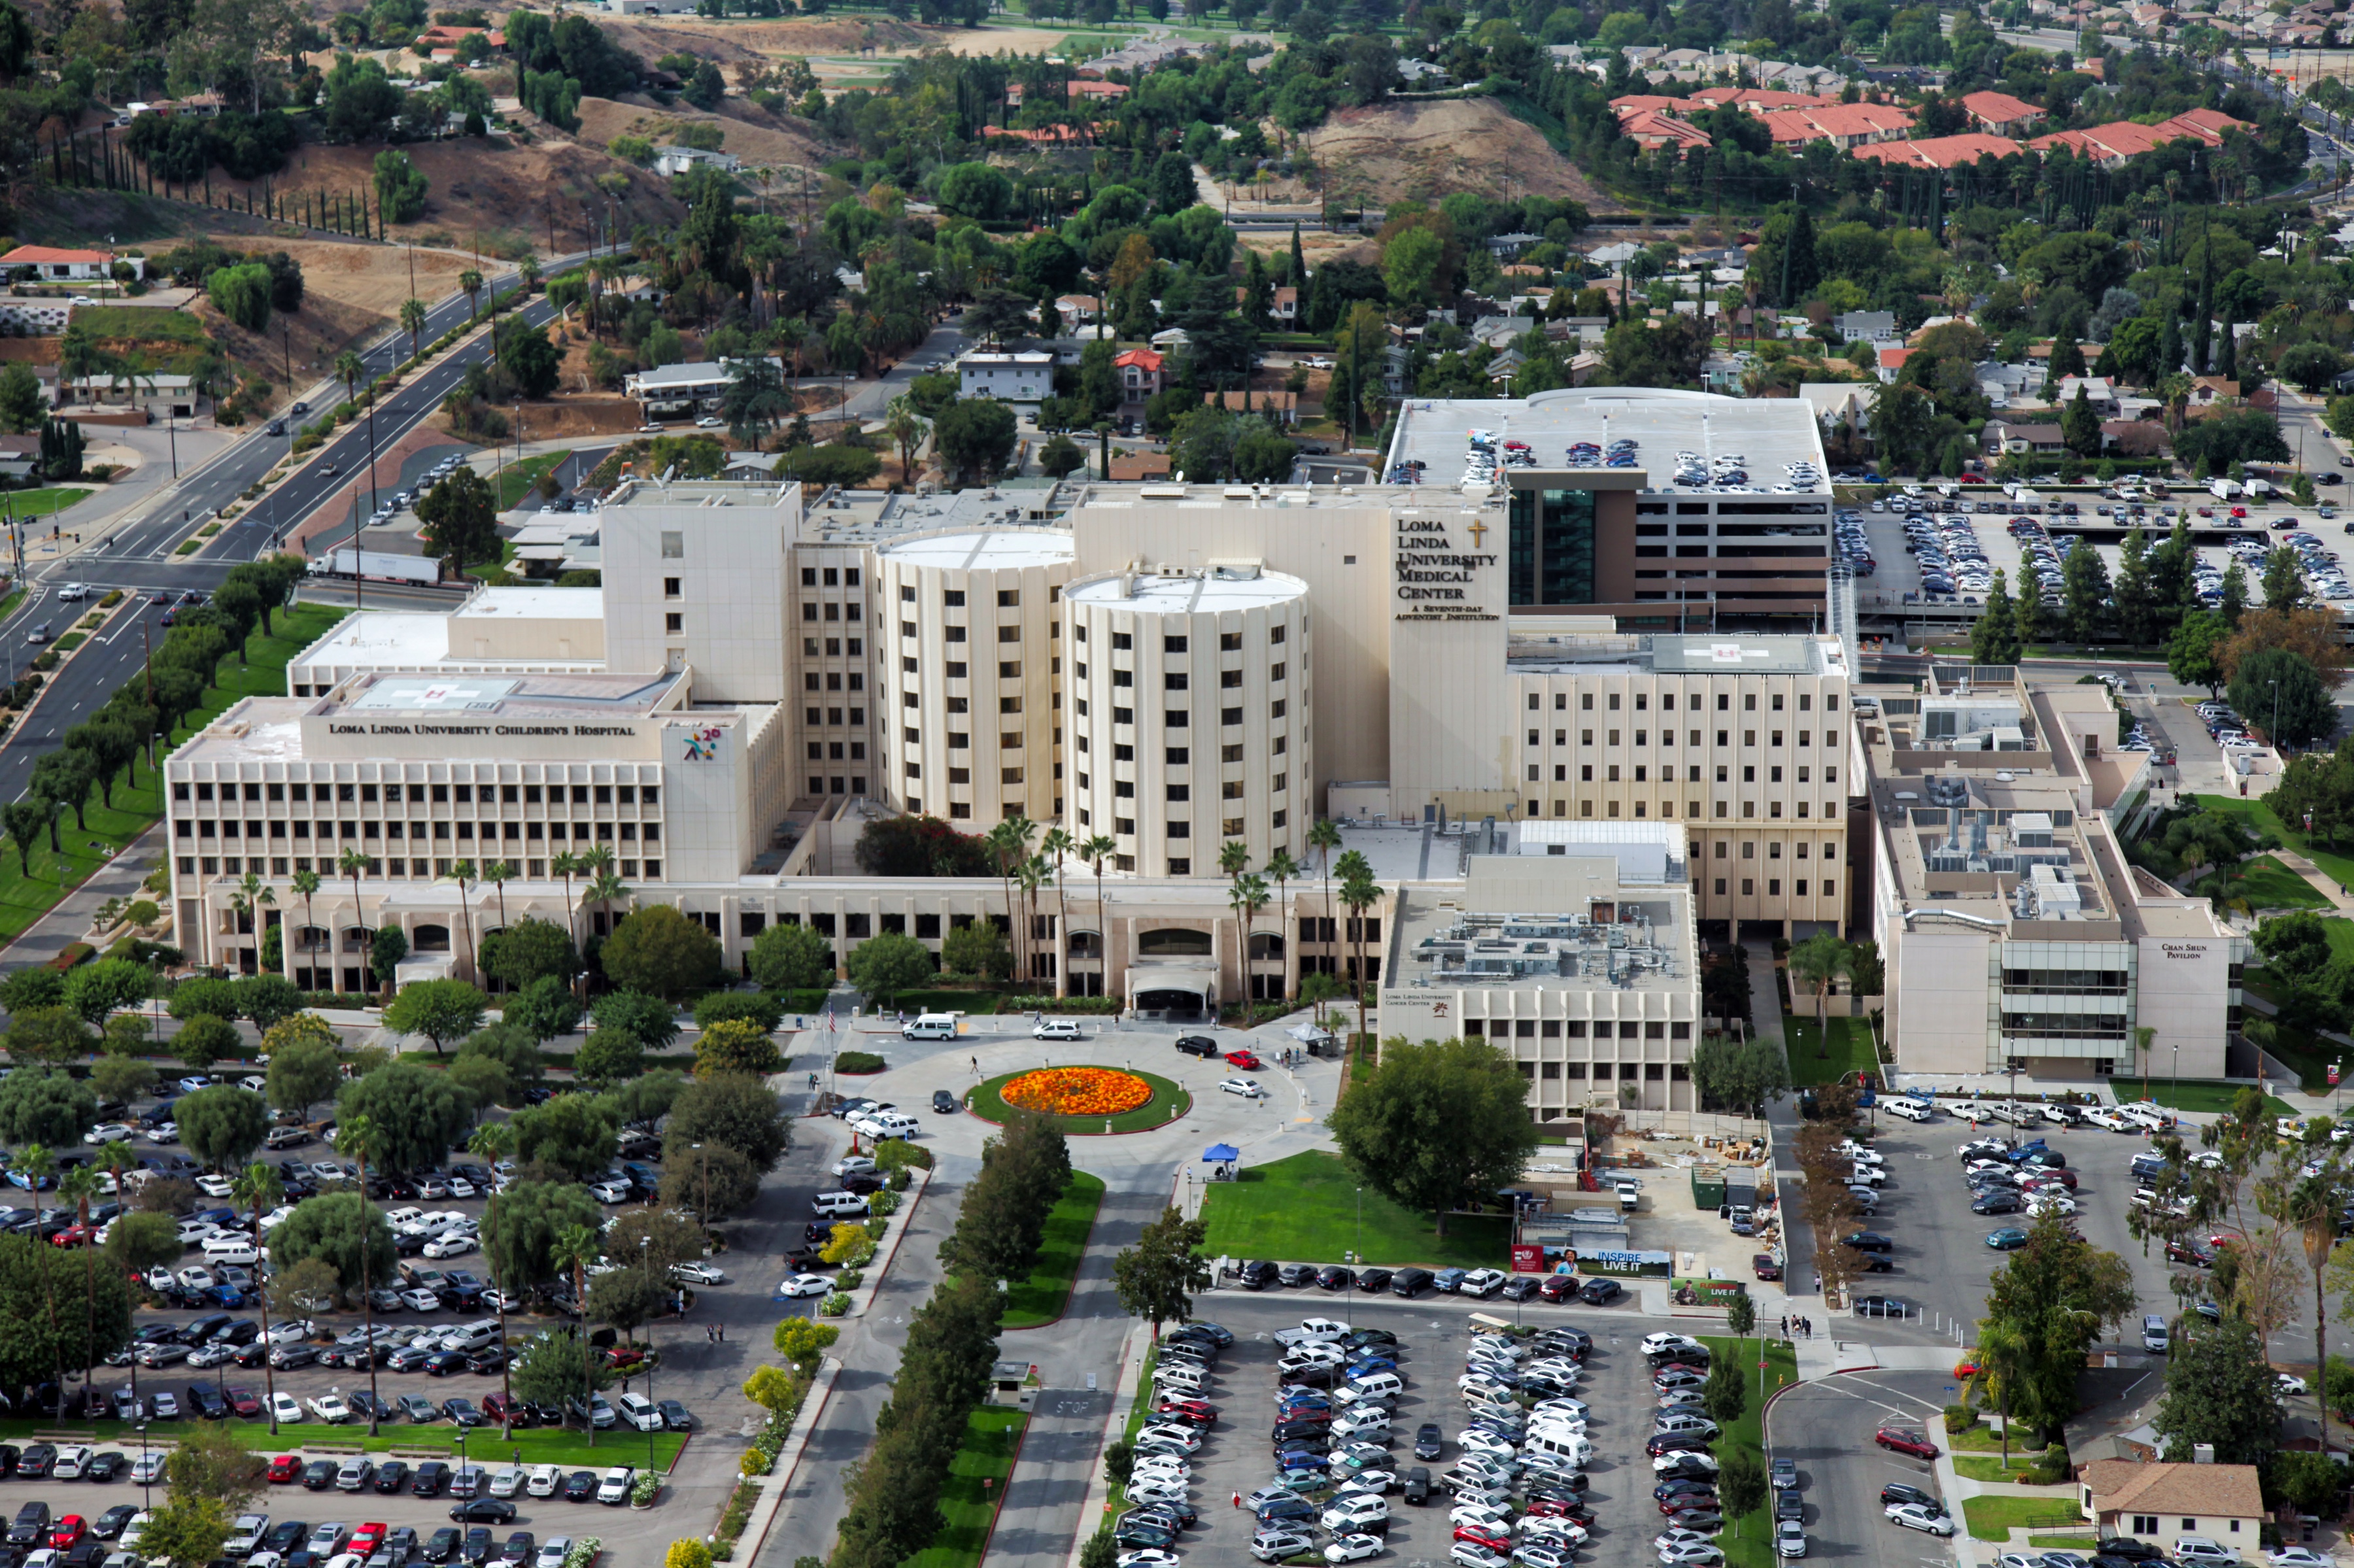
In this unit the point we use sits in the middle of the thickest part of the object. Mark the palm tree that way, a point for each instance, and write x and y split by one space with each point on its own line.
1817 961
1032 874
1283 868
248 901
38 1165
494 1141
1359 892
604 888
351 863
567 865
1234 858
305 883
1058 842
358 1137
75 1187
576 1248
412 316
1009 843
258 1188
907 429
351 370
1324 837
461 872
471 282
1095 851
1248 897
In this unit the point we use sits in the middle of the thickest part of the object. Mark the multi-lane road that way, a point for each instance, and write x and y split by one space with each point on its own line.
138 555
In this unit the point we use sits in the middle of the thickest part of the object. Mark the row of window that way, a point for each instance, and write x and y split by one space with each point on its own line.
1229 789
1179 681
419 794
956 669
961 810
2067 982
1774 849
957 633
1774 887
1178 718
1228 827
811 611
516 833
1229 641
1179 755
234 865
832 681
834 647
1692 701
1668 738
1576 1028
1668 773
830 751
2064 1026
833 717
1667 807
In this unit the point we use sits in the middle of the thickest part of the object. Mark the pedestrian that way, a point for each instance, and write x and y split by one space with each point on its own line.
723 1333
1238 1499
976 1066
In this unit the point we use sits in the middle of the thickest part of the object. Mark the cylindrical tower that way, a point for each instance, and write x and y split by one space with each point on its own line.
1189 715
968 628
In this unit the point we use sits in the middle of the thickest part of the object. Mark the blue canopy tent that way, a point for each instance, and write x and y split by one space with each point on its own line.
1223 1156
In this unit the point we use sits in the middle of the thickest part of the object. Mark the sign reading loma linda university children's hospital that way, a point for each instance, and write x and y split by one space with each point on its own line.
1436 580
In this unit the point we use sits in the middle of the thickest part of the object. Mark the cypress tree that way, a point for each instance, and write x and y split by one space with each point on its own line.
2202 325
2170 344
2227 354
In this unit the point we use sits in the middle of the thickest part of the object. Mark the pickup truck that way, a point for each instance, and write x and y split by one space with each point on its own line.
1312 1331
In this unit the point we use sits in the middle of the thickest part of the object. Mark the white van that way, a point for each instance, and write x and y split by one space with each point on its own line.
1486 1395
1380 1385
230 1249
930 1026
2153 1334
827 1205
1561 1445
1672 1424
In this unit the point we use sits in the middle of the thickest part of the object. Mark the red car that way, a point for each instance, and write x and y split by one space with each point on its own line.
1193 1411
1245 1060
365 1539
2052 1176
621 1356
1675 1502
285 1467
1558 1507
503 1407
1558 1286
243 1402
1765 1266
67 1531
1904 1440
1487 1535
72 1235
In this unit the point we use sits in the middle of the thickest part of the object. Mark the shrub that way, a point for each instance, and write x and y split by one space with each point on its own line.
834 1306
850 1278
858 1061
885 1205
1960 1418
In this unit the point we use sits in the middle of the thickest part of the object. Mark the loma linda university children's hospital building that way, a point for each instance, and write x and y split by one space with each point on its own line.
1576 718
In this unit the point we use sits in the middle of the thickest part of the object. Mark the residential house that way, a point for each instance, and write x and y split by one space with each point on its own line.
2005 384
2207 393
1842 408
2110 146
1872 326
1722 372
1941 152
1499 331
1141 375
1422 74
1846 126
2098 391
1019 375
1096 91
1892 363
1080 313
1284 305
1504 246
2134 439
1650 129
752 465
1277 406
680 160
2002 436
51 264
1131 467
2000 115
1503 367
2162 1501
159 397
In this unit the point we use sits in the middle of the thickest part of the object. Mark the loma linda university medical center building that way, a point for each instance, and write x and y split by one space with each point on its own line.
1578 717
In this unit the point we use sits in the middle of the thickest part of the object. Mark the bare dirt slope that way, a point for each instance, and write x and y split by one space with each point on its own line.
1426 150
730 41
371 278
751 135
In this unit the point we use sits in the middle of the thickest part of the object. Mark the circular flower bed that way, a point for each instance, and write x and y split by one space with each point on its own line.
1076 1091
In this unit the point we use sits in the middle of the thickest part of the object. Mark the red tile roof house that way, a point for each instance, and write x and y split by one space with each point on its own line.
1650 129
1846 126
1941 152
2110 146
1141 375
76 266
2000 115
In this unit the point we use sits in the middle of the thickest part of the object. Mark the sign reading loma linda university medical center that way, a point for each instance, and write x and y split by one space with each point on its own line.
1436 579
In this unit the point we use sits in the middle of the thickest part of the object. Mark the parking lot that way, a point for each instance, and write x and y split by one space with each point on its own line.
1826 1428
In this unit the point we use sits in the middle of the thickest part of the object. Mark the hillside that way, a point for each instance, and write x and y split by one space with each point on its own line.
1427 149
762 140
809 37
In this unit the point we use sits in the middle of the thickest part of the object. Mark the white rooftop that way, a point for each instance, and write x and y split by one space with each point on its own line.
1188 593
1766 434
988 549
537 604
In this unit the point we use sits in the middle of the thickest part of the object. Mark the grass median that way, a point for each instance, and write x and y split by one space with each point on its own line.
1851 1050
24 899
976 1484
1309 1208
1750 1543
1169 1100
1033 1302
537 1445
1993 1517
2206 1098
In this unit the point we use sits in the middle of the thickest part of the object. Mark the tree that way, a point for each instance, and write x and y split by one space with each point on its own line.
2080 425
222 1126
1725 1394
460 518
202 996
142 1240
94 990
1739 1076
520 1227
117 1076
1994 635
751 1006
544 1009
2219 1390
400 187
44 1106
713 1182
977 947
757 400
513 1050
438 1009
47 1035
884 965
185 1534
341 1230
1817 961
802 1340
661 952
1741 1483
1437 1126
213 1461
530 950
1158 1278
793 958
2281 692
532 361
2283 579
22 404
574 1134
650 1024
387 945
1061 455
740 1112
303 1069
735 1046
2056 1295
690 1553
556 1367
2194 653
610 1056
419 1113
974 438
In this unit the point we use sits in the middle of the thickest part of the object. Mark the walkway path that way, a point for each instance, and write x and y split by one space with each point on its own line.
2321 882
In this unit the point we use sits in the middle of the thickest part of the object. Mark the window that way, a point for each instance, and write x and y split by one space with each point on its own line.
1009 599
670 587
1181 791
1172 645
952 598
1178 757
673 545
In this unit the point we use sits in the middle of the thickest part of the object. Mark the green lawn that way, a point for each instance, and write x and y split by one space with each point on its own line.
1169 1102
1305 1208
991 1436
1993 1518
1851 1050
2206 1098
1988 1466
556 1446
2339 867
1038 1300
25 898
2266 884
517 478
1750 1544
42 503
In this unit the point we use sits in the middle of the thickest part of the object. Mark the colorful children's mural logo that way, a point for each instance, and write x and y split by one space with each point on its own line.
703 744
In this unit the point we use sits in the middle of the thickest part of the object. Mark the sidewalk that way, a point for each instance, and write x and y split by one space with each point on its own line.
69 919
1093 1507
2321 883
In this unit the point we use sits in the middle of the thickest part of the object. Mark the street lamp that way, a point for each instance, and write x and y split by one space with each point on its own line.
146 1474
2274 736
645 1257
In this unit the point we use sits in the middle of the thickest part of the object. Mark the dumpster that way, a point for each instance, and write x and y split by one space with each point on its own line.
1707 1186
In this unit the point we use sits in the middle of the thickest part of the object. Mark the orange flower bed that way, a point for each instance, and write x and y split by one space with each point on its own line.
1076 1091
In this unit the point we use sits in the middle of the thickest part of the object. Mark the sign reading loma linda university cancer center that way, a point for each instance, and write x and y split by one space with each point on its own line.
1441 582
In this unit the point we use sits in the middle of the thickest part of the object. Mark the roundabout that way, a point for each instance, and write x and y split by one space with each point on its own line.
1083 1101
